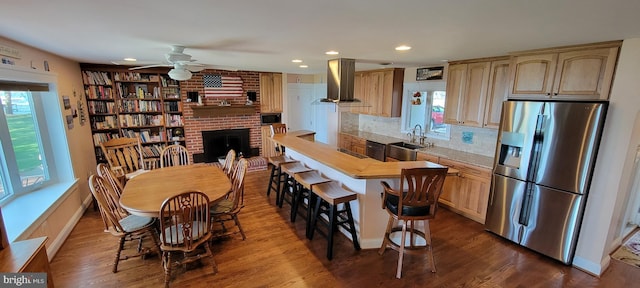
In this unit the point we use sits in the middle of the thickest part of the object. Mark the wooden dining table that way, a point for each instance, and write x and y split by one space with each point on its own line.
144 194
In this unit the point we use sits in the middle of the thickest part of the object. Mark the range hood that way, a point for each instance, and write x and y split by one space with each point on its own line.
340 79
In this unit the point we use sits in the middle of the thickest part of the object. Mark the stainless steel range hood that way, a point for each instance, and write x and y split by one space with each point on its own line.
340 79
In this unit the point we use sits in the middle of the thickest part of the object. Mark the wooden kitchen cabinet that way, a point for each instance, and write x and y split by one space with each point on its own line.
359 92
268 147
271 93
497 92
475 91
379 92
582 72
427 157
352 143
467 193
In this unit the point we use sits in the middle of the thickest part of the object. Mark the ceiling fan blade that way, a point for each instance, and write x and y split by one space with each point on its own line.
151 66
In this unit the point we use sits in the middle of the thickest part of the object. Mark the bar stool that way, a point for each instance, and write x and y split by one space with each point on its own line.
330 194
289 170
277 177
305 183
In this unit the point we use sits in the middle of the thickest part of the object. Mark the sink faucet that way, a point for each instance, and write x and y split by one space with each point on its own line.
413 138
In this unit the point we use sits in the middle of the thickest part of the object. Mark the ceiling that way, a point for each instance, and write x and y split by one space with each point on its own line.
267 35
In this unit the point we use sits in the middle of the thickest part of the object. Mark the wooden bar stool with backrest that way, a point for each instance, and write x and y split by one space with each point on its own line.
329 196
174 155
276 178
416 200
305 181
288 191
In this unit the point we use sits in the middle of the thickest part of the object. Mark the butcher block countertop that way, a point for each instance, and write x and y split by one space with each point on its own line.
451 154
365 168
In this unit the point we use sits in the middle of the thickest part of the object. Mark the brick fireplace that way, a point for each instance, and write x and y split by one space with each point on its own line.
194 125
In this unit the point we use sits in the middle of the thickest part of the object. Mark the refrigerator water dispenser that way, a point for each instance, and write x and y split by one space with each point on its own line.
511 149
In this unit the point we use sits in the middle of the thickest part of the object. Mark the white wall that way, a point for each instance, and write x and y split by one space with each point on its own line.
612 171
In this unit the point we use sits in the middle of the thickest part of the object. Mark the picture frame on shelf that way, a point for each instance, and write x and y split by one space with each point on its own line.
430 73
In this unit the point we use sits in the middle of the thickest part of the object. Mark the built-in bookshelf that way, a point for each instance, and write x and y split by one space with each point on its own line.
142 104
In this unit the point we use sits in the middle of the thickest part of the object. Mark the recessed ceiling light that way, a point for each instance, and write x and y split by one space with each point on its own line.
332 52
296 61
303 66
403 48
130 59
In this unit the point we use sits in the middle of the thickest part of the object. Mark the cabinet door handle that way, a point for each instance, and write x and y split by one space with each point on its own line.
555 94
548 94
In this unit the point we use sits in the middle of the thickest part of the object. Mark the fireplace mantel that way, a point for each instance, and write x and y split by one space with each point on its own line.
215 110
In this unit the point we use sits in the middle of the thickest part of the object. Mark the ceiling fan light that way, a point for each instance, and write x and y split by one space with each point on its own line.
180 74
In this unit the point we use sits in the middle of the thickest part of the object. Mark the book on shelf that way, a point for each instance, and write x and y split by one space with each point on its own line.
96 78
104 137
103 122
101 107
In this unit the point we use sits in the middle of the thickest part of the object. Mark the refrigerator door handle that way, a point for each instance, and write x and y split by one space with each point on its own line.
525 211
538 137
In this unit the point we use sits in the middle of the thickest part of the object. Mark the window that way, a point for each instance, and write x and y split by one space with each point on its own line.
424 109
21 143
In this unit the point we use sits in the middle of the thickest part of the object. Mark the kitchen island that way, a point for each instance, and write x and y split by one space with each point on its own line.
362 176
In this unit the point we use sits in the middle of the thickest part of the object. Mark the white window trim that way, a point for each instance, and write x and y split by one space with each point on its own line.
39 204
410 87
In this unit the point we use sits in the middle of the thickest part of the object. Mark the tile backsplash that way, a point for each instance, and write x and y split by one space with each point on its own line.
468 139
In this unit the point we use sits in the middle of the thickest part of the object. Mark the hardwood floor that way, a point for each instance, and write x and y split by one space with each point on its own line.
276 254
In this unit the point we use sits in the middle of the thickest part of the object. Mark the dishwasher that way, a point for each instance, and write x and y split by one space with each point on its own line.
376 150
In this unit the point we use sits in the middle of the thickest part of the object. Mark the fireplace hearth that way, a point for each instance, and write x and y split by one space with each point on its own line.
217 143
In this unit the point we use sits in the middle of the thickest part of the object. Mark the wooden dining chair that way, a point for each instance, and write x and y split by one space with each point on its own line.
121 224
125 157
185 228
105 172
228 209
229 163
174 155
416 200
116 184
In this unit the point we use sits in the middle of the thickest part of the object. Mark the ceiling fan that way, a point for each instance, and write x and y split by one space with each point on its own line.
181 62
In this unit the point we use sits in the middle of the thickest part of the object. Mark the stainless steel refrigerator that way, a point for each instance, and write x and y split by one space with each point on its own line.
543 166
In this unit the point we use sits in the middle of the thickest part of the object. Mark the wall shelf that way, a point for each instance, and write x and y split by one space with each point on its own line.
214 110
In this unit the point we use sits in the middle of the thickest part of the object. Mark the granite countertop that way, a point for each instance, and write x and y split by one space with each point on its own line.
455 155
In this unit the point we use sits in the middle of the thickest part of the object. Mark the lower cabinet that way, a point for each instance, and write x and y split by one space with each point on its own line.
468 193
352 143
268 147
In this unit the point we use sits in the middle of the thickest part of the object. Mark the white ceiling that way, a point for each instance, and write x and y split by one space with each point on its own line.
266 35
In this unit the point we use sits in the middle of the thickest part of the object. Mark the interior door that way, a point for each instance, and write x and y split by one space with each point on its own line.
553 223
505 204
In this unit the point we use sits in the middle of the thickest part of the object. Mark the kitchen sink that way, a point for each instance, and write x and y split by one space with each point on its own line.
407 145
403 151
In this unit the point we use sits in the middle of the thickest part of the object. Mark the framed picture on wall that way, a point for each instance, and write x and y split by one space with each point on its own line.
430 73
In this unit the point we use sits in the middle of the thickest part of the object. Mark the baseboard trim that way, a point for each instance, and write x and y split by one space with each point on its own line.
56 244
590 267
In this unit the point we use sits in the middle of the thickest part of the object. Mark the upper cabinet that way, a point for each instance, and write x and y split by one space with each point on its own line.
497 92
270 92
475 91
379 92
578 72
